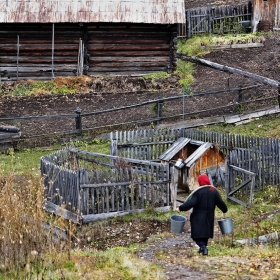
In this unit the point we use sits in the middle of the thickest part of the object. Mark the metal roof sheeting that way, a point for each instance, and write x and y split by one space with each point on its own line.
55 11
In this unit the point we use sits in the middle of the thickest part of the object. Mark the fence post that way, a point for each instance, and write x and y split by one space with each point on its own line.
227 176
278 97
189 25
239 96
209 22
159 111
78 119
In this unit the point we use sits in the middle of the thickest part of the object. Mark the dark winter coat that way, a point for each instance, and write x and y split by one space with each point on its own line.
203 202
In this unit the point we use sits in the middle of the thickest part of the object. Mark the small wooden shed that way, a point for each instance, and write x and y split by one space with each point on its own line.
189 158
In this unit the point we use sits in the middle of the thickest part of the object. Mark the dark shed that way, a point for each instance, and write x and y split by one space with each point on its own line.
42 39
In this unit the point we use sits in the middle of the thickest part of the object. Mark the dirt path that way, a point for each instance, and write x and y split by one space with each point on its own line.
172 250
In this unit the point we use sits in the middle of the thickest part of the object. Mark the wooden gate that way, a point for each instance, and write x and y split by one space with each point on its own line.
198 21
240 182
221 20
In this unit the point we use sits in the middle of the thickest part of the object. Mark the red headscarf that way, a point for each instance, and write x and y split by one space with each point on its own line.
203 180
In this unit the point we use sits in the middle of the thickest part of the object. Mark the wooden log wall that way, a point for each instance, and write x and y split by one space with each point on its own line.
41 51
27 51
133 49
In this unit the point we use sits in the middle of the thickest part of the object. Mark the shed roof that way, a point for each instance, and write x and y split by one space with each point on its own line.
177 146
56 11
197 154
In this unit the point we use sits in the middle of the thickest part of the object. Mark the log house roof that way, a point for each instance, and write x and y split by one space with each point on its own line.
122 11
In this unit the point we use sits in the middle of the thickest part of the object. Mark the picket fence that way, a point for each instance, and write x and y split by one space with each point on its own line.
220 19
259 155
84 186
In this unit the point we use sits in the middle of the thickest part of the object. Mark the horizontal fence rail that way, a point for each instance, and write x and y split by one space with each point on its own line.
79 122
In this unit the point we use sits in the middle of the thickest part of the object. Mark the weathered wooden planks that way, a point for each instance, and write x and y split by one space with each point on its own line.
255 154
108 49
124 186
220 19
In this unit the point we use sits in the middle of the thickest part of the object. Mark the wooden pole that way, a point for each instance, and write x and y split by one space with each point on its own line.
78 111
189 26
17 54
232 70
278 97
159 111
209 22
52 51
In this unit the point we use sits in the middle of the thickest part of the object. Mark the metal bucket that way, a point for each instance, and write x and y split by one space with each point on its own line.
226 225
177 223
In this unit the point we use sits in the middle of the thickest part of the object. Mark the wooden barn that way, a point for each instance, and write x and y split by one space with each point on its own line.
190 158
266 15
43 39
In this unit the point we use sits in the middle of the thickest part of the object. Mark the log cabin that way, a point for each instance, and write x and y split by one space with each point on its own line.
41 39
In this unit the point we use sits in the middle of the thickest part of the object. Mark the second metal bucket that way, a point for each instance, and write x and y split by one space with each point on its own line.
177 223
226 225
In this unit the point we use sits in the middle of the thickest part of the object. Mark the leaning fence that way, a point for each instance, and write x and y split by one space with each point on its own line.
85 186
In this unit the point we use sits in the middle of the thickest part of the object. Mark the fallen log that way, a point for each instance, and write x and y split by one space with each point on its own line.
232 70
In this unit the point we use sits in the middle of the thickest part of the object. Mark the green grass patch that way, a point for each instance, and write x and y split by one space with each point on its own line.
28 160
268 126
156 75
185 70
38 88
193 46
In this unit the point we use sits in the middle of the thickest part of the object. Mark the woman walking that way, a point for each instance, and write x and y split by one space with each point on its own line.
203 201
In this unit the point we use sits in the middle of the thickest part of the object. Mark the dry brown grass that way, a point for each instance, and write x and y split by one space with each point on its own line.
25 239
78 83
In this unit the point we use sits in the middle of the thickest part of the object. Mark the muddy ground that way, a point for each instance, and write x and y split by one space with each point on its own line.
167 249
96 94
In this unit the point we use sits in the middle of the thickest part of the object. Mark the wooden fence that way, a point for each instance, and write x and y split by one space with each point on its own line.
221 20
75 122
259 155
84 186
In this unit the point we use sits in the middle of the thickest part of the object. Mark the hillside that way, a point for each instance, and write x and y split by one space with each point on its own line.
102 93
